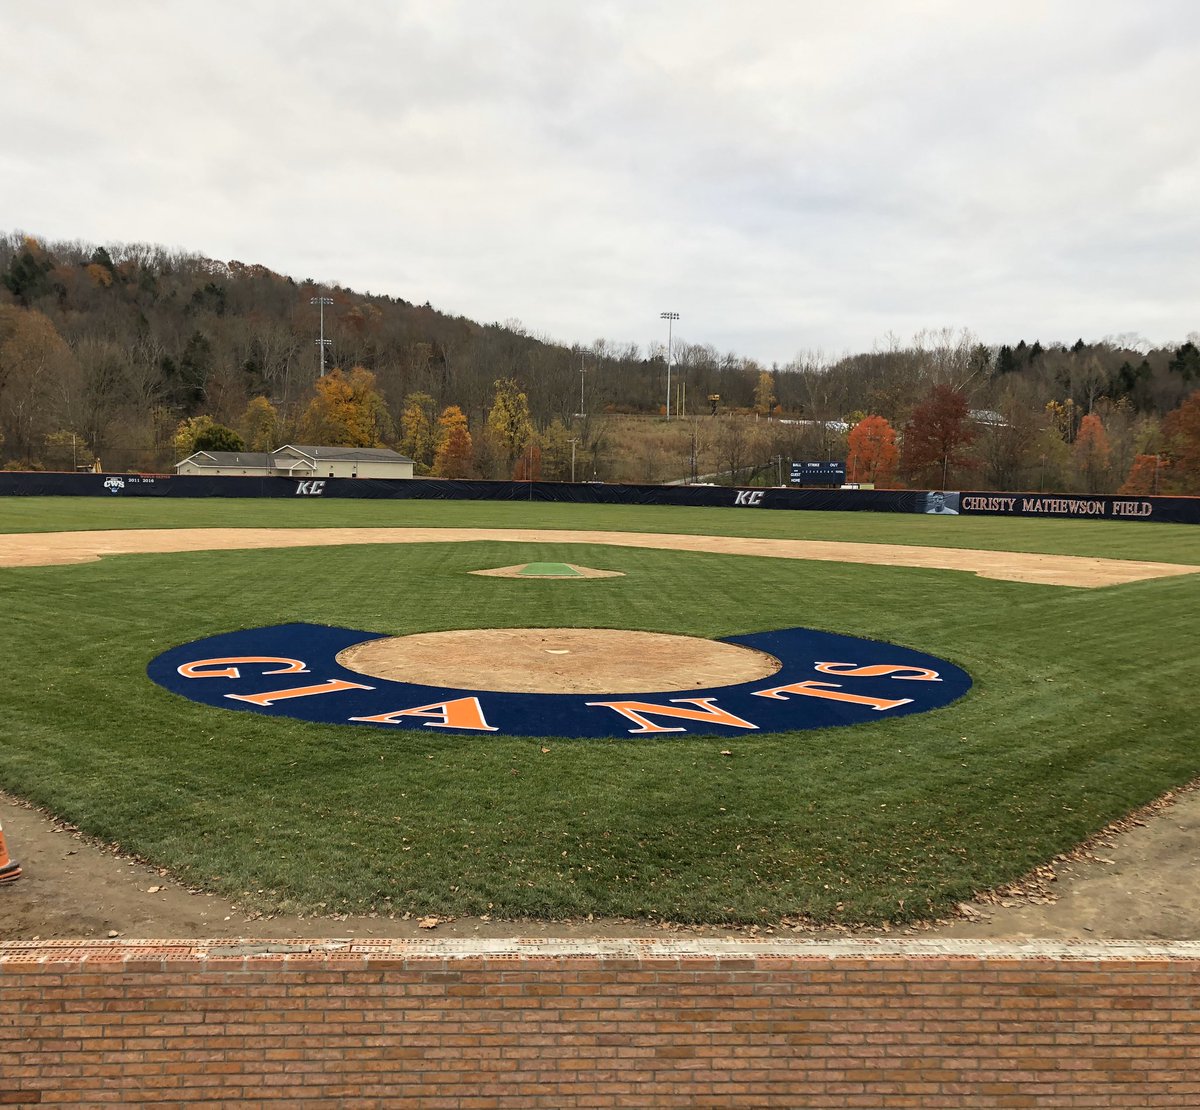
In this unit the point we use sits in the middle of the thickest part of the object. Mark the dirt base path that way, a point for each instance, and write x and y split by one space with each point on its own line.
1135 884
35 549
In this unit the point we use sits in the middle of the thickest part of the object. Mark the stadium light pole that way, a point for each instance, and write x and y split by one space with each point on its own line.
670 318
582 410
322 343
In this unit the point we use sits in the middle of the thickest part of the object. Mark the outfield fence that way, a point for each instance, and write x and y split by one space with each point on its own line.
1174 510
562 1023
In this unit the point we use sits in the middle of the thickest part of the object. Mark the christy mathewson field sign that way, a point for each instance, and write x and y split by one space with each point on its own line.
824 680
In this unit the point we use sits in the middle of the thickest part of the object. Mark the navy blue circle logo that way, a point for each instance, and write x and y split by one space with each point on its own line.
824 680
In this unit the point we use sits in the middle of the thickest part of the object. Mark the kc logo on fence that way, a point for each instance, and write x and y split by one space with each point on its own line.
749 497
310 489
824 680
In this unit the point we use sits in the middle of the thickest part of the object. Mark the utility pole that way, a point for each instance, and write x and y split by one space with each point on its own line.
573 442
582 409
322 343
670 318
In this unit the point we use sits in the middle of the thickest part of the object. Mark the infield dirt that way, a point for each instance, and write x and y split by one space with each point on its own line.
33 549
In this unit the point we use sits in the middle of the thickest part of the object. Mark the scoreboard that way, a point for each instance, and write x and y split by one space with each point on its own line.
818 474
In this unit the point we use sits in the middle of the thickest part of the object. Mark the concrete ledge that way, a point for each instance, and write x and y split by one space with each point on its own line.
550 948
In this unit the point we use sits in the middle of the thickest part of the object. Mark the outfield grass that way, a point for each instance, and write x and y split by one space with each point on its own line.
1111 539
1081 710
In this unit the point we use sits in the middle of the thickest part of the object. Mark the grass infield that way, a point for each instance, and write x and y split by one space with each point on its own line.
1081 710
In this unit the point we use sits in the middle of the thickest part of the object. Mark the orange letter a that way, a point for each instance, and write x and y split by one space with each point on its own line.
459 713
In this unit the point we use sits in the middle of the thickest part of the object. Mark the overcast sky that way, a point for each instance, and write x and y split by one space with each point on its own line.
786 175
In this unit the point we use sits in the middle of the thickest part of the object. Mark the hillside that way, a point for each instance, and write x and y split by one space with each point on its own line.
105 350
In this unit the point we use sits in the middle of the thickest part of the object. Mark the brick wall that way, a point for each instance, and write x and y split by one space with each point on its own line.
602 1023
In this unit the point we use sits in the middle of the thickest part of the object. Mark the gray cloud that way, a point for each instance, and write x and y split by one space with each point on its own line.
786 175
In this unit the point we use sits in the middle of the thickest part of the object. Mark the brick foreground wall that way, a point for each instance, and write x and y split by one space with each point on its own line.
707 1023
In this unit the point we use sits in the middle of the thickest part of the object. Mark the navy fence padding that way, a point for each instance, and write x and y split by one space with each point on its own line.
1175 510
588 493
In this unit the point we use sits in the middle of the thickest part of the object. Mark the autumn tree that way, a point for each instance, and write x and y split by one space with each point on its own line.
454 448
418 432
508 419
34 363
528 464
873 456
202 433
260 425
188 431
347 411
1091 453
764 393
95 400
1144 475
937 436
1182 429
556 452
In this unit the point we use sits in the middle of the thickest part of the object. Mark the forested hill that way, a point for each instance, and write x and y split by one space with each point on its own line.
105 350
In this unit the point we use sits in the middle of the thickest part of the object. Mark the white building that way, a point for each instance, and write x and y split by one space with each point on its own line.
301 462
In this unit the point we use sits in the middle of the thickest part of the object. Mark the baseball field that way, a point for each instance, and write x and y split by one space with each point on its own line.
1081 706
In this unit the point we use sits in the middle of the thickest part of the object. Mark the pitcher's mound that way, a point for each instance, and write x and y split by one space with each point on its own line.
558 660
549 570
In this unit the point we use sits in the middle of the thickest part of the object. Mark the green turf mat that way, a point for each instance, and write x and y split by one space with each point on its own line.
557 570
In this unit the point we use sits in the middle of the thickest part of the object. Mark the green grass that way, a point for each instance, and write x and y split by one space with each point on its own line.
1081 710
1111 539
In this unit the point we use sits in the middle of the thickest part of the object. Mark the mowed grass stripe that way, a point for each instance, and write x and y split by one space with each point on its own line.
1112 539
1078 714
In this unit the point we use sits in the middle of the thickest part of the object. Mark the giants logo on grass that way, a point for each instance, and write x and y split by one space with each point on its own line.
824 680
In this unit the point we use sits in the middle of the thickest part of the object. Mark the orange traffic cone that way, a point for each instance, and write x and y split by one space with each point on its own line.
10 870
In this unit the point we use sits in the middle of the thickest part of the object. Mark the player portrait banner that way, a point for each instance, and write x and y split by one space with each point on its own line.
824 680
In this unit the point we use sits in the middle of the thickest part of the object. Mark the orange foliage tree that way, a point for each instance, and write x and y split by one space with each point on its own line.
1144 474
454 449
346 412
1091 453
1182 428
873 455
528 465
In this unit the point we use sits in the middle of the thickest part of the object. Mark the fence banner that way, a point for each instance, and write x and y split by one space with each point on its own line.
41 484
1167 510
